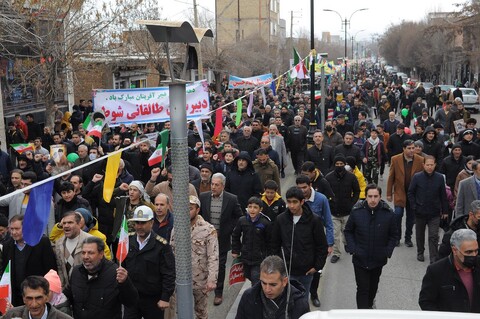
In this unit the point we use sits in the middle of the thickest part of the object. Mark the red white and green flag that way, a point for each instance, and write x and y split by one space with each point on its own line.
88 123
122 249
96 129
5 289
299 70
159 155
22 147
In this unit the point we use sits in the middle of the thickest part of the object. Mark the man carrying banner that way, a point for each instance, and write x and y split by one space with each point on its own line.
149 252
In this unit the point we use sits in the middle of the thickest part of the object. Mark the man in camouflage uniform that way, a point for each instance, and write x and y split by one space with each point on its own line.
204 258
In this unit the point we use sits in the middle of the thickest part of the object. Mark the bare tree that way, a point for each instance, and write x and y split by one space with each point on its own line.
53 35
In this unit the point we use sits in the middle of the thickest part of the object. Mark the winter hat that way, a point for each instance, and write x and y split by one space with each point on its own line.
87 216
339 158
351 161
207 166
456 145
54 281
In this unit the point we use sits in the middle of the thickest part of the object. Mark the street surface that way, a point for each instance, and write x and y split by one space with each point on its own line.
399 286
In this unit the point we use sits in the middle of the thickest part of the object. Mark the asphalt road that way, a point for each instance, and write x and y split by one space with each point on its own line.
399 286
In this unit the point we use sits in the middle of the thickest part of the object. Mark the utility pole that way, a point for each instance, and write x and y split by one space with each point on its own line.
198 45
238 21
291 26
3 136
346 54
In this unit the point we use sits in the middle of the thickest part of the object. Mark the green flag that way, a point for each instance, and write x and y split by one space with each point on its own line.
239 112
296 57
164 136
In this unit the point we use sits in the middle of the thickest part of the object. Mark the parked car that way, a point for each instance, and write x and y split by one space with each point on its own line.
470 99
446 87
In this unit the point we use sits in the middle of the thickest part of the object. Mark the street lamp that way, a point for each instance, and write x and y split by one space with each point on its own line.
346 23
353 38
313 122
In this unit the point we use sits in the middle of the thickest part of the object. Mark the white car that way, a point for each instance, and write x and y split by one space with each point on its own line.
470 99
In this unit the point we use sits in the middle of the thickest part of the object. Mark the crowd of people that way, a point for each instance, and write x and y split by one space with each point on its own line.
236 205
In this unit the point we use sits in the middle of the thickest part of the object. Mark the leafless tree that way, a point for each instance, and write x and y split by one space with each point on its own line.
46 38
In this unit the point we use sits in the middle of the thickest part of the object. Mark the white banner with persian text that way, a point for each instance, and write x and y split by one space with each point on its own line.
148 105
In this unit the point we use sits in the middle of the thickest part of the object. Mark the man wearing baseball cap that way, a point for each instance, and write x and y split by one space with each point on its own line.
151 267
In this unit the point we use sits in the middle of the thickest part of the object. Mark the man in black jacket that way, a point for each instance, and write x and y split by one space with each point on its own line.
297 143
347 191
371 235
151 266
349 149
300 236
453 283
25 260
428 200
452 165
470 221
222 210
242 180
274 295
320 154
98 288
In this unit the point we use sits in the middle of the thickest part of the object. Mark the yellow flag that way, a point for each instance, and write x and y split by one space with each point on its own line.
110 176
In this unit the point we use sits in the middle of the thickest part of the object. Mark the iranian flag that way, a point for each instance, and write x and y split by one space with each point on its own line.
122 249
299 70
159 155
96 129
23 147
87 125
5 289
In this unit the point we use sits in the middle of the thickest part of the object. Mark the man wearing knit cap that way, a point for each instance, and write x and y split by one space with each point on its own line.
452 165
347 191
149 252
203 183
469 147
68 248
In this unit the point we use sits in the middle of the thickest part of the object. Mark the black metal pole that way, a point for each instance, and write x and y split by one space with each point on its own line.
313 122
346 54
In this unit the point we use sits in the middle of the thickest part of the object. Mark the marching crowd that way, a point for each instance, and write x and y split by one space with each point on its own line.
236 205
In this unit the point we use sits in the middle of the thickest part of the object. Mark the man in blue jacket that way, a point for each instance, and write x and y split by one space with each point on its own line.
371 235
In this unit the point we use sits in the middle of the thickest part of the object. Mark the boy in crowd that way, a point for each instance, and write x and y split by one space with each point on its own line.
251 239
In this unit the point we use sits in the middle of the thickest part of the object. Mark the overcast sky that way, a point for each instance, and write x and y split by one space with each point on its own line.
381 13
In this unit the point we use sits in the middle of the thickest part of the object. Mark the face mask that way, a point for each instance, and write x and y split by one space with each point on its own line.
469 261
92 156
339 169
328 128
348 168
441 132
